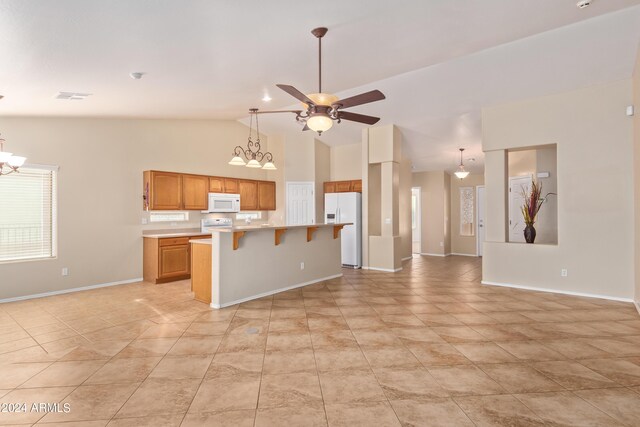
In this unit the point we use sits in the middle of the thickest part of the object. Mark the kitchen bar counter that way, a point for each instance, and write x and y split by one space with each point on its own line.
168 234
250 262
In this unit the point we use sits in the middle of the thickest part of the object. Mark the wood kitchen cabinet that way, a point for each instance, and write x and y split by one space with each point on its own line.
343 186
162 190
216 184
201 272
195 191
248 191
231 186
167 259
171 191
266 195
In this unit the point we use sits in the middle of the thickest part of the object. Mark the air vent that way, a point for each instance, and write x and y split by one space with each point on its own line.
73 96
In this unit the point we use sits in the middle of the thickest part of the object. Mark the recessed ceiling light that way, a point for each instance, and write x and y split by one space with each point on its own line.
137 75
582 4
266 98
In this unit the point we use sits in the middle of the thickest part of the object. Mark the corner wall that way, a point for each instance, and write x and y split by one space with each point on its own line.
636 175
594 140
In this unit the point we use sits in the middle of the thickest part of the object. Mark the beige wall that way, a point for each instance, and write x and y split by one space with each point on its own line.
433 192
100 189
636 179
322 174
465 245
404 207
595 187
346 162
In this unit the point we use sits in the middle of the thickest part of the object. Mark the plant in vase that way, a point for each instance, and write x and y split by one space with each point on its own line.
532 204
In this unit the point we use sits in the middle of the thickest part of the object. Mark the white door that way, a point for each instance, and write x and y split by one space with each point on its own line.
416 220
517 185
480 211
300 203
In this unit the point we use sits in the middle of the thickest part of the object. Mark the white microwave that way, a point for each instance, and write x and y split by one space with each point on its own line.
223 203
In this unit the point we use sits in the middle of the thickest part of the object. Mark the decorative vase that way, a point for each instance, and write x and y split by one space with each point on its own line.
530 233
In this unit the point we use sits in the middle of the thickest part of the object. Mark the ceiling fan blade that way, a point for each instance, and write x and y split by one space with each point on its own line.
296 94
360 118
363 98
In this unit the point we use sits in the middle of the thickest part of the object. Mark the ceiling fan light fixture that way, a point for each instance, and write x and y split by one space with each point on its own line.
237 161
324 99
319 123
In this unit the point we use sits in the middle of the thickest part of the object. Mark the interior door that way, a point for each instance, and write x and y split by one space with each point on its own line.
300 203
517 185
416 219
480 209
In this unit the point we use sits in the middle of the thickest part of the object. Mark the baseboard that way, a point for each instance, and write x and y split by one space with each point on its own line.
406 258
557 291
266 294
471 255
68 291
439 255
386 270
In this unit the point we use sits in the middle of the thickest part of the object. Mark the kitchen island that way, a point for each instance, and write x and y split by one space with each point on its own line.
249 262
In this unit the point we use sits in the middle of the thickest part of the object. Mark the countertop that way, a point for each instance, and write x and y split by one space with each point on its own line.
168 233
201 241
270 227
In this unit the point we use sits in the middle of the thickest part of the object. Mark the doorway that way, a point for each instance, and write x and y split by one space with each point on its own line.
517 186
301 203
480 213
416 220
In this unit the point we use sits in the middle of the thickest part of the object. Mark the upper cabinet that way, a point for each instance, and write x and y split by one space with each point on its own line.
248 195
162 190
266 196
343 186
195 190
176 191
216 184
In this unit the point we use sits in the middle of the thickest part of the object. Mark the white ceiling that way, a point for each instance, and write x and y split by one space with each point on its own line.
438 61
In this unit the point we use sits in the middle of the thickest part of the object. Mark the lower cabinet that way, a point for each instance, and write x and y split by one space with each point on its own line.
167 259
201 272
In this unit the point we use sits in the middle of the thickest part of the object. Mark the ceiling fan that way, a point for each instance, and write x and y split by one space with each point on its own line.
322 109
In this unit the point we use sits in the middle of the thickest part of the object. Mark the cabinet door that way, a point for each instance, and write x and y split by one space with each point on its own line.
248 195
329 187
231 185
173 261
195 191
216 184
165 191
343 186
266 196
356 185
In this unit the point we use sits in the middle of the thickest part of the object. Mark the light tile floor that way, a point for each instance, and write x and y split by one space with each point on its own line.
426 346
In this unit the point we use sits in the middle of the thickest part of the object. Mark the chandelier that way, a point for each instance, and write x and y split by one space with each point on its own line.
252 153
461 172
9 160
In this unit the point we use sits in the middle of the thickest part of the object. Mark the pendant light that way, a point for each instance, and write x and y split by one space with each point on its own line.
461 172
252 153
8 159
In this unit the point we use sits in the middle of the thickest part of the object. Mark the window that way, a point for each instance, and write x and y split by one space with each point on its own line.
28 214
466 211
168 216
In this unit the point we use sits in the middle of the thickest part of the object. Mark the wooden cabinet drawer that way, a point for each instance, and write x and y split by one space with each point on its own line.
173 241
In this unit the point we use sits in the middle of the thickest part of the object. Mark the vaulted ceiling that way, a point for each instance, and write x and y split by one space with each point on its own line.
437 61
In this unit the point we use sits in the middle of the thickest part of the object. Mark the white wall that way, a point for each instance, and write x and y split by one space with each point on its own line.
636 175
595 191
100 189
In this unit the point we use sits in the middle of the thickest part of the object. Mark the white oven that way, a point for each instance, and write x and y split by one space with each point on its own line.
224 203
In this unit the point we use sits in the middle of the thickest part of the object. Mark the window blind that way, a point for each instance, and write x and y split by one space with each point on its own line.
28 214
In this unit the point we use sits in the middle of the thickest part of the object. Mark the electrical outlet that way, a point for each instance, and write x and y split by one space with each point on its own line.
173 224
564 272
387 220
144 221
302 266
65 271
442 244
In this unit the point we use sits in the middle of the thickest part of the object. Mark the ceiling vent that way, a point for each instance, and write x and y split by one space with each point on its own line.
73 96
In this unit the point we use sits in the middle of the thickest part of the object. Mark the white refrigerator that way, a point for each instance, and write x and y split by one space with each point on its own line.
346 207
